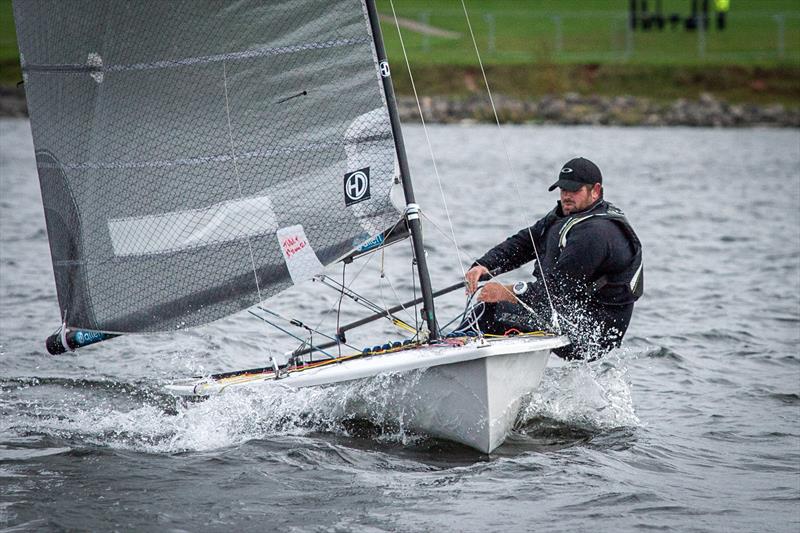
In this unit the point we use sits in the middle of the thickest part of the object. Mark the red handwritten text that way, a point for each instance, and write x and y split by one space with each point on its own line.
292 245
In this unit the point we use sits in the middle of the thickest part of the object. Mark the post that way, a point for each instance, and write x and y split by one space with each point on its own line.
559 34
647 19
490 33
628 42
659 16
779 20
694 19
701 40
412 209
425 19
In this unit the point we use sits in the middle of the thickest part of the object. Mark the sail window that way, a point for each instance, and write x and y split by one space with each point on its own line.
182 230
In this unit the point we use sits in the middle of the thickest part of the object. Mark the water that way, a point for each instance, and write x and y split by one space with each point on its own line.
694 425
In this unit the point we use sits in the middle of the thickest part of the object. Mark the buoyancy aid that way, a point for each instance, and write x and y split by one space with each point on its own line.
619 288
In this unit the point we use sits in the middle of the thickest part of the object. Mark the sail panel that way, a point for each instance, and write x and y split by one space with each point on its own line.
176 139
168 232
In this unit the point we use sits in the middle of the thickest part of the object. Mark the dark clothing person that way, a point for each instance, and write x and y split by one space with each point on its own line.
592 263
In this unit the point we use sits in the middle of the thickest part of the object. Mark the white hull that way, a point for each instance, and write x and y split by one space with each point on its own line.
468 394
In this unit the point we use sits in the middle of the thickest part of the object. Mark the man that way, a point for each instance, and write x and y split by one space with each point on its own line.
589 270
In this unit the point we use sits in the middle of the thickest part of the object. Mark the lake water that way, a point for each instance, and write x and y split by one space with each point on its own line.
694 425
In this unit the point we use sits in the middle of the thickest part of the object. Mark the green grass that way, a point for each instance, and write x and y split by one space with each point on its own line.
591 31
9 55
735 84
527 55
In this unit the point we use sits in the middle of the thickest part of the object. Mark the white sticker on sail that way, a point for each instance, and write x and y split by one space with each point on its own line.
300 257
182 230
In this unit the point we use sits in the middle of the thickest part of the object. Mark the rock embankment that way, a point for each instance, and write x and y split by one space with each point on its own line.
12 102
571 108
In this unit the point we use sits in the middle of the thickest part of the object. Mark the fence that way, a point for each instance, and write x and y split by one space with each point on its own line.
441 36
506 37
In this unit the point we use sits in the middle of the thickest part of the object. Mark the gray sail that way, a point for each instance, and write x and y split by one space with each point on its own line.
197 156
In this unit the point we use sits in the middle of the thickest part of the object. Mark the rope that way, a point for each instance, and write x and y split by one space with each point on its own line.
510 167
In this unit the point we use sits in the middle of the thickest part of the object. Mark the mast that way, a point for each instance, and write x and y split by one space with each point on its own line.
412 209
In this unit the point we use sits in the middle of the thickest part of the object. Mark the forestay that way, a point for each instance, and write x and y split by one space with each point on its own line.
197 157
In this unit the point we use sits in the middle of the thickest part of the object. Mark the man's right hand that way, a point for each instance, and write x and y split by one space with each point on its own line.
473 275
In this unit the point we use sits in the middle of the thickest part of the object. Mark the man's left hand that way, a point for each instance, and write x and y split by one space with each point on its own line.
496 292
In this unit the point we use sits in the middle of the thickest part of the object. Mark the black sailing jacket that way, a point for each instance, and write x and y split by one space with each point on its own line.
592 257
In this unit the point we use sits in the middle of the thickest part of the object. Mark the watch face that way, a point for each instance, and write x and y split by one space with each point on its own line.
520 287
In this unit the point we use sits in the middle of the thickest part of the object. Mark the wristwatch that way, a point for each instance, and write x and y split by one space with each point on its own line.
520 287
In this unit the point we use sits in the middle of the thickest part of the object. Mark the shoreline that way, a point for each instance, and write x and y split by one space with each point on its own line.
575 109
566 109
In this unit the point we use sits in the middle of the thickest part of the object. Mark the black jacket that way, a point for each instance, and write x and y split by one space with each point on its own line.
592 257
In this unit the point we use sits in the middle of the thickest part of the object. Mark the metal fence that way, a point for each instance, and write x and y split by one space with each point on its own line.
748 37
441 36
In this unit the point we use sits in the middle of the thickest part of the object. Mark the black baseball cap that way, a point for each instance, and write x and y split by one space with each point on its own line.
576 173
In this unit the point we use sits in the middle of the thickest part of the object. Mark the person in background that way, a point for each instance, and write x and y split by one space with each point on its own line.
721 7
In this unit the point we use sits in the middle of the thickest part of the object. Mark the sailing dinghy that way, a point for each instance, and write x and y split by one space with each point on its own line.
197 158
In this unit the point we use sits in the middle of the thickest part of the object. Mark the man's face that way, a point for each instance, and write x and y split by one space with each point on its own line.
572 202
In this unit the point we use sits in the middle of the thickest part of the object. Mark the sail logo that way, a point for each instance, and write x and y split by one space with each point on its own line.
372 243
356 186
385 72
88 337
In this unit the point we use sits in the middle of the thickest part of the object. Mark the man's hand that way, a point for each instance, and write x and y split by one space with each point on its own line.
473 275
496 292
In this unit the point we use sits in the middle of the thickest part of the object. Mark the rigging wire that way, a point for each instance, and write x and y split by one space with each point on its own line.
274 325
417 324
427 138
346 291
339 310
352 281
428 141
299 324
385 276
327 313
368 304
241 193
518 195
236 170
440 230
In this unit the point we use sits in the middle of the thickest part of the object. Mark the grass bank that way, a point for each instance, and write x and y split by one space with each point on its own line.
756 32
661 83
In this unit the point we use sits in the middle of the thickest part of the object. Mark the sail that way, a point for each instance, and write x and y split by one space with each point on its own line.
196 157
